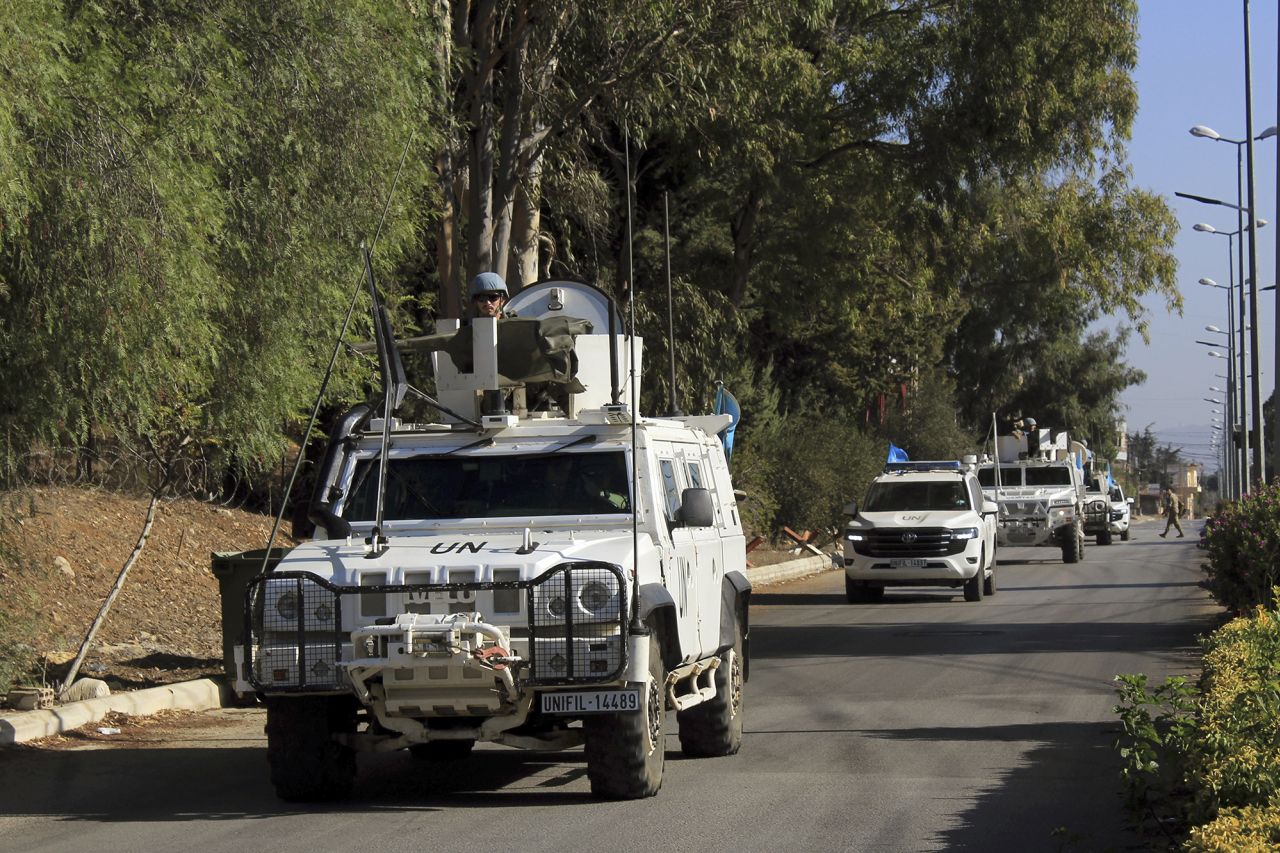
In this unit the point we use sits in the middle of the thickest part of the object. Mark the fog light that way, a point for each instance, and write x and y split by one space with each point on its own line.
557 663
320 668
324 613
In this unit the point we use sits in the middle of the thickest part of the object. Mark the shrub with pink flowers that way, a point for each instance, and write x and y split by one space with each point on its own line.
1243 541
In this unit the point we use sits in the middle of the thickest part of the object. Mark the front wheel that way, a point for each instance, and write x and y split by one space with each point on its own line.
973 587
1104 538
1072 548
626 752
1124 536
307 764
714 727
989 585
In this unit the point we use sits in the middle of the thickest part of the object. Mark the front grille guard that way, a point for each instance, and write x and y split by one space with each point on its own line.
293 624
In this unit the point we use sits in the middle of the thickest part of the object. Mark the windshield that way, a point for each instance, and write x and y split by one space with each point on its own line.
444 487
1010 475
890 496
1056 476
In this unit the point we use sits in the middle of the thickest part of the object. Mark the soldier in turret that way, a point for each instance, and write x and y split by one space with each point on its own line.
488 295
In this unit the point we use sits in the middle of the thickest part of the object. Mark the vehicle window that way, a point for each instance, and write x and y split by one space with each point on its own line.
695 476
892 496
444 487
975 494
1059 475
669 487
1117 495
1010 475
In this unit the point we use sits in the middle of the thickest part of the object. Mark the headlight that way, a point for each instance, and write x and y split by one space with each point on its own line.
594 597
287 605
965 533
556 606
856 536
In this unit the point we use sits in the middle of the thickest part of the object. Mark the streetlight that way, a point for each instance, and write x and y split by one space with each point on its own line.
1239 472
1202 131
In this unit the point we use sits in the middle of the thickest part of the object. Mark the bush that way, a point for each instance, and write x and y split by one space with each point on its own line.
1236 761
1252 829
1243 541
1210 762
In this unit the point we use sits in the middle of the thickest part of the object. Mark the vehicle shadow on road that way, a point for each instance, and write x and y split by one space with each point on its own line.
122 785
1063 794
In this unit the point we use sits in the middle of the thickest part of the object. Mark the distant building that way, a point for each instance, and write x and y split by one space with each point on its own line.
1184 479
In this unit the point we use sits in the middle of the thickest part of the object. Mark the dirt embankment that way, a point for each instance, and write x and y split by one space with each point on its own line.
61 550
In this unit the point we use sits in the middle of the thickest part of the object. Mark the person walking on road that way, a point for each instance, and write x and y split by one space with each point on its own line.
1172 506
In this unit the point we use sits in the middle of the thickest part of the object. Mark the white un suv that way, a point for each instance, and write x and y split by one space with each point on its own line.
922 524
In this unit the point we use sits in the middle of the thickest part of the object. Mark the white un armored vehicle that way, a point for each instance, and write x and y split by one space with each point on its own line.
543 569
1039 485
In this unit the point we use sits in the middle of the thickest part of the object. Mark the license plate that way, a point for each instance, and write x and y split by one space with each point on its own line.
591 702
908 563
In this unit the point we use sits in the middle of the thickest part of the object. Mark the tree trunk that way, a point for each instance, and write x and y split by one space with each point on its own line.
510 143
526 225
446 238
479 94
743 229
115 590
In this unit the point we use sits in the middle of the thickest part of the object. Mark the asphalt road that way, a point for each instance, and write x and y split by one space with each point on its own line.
921 723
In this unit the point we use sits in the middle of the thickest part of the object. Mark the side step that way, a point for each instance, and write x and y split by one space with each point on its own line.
699 681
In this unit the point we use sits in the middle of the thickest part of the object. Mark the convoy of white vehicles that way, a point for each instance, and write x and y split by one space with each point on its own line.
535 571
545 568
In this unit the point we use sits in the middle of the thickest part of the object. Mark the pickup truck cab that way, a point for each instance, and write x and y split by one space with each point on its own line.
922 524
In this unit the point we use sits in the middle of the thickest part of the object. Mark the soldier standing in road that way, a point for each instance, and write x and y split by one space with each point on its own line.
1172 506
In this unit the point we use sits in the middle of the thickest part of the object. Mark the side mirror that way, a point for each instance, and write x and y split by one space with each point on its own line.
1129 501
990 507
696 509
851 509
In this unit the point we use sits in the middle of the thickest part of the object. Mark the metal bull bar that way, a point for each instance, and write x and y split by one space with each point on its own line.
298 626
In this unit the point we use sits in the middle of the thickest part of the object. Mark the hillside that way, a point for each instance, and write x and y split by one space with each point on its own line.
60 552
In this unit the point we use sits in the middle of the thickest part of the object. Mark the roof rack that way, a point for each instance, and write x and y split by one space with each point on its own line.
935 465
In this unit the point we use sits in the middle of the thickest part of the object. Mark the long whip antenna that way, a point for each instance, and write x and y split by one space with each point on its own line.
333 360
636 625
673 407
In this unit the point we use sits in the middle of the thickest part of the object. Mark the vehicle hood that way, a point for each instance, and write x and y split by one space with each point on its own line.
343 561
917 518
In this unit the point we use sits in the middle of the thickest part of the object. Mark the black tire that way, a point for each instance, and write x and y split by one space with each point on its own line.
714 728
1104 538
442 750
1072 548
626 752
856 594
307 764
973 587
989 585
1124 536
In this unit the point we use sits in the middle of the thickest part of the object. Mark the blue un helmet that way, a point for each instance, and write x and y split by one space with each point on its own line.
488 282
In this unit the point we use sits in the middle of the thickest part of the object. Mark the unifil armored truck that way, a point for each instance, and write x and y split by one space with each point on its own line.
544 568
1038 482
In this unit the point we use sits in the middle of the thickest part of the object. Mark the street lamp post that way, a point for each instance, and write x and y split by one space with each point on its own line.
1247 144
1236 399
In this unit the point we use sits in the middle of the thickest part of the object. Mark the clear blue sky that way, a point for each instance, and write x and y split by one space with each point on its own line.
1191 71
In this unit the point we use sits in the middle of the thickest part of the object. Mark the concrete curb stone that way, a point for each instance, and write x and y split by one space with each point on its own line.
790 570
206 693
198 695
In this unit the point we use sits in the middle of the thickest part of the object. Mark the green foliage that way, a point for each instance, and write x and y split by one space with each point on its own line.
21 608
193 201
1157 725
1243 543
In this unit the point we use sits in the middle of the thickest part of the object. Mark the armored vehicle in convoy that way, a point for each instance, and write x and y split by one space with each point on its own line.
922 524
544 568
1037 481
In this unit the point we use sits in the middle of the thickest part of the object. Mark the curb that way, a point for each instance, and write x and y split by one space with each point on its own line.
790 570
199 695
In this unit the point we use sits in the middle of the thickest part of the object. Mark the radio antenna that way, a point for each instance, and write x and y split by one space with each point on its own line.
636 625
673 408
